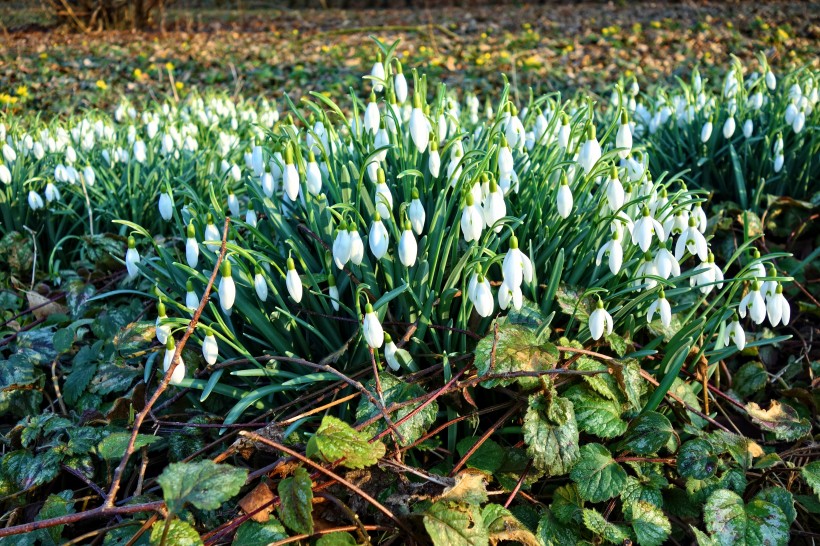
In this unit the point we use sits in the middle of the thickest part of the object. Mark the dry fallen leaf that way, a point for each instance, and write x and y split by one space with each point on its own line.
41 307
258 503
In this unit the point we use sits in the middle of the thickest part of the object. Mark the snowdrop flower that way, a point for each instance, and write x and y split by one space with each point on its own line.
191 246
510 294
706 132
472 221
748 128
236 173
662 307
646 270
179 370
614 250
799 121
291 176
52 193
379 239
665 264
267 184
233 203
494 208
377 72
210 348
753 302
191 299
166 204
371 115
644 228
778 308
676 223
8 153
434 160
599 321
692 240
250 215
623 139
419 126
34 200
734 334
400 84
755 102
700 217
778 162
132 258
757 268
293 282
383 198
590 151
390 351
356 245
415 212
454 166
313 175
88 175
408 248
505 158
372 328
212 233
515 131
162 330
227 287
5 174
771 81
341 246
729 127
710 275
260 284
480 293
140 153
333 292
614 190
564 131
516 266
790 113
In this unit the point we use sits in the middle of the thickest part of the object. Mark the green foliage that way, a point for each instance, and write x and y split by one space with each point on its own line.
597 476
204 484
335 440
296 508
252 533
551 434
175 532
455 524
730 521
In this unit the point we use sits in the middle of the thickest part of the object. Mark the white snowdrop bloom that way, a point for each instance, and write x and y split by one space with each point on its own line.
333 292
257 161
665 264
692 240
729 127
35 202
166 205
748 128
662 307
233 203
179 371
8 153
390 351
515 132
480 294
494 208
753 303
795 92
755 102
757 269
454 166
260 283
516 266
132 258
505 158
212 234
140 152
52 193
790 113
645 273
371 115
356 245
614 190
419 126
645 227
408 248
676 223
290 180
383 198
191 299
623 139
615 252
267 184
799 122
472 222
5 174
635 169
540 133
777 307
590 151
342 246
510 294
771 80
70 155
778 163
227 287
191 246
293 282
377 72
210 348
250 215
707 278
162 329
313 175
434 160
379 239
706 132
564 132
400 84
700 217
372 328
563 198
415 212
733 334
89 176
600 321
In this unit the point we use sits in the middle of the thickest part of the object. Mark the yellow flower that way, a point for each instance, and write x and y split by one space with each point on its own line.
152 66
782 34
21 92
101 85
138 73
179 86
44 55
5 98
169 66
296 32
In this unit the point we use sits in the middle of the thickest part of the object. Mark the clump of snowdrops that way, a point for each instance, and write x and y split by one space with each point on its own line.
396 231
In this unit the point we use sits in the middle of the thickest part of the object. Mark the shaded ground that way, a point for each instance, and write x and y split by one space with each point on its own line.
265 51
